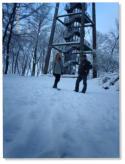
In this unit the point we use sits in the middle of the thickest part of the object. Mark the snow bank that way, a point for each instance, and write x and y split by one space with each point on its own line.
109 80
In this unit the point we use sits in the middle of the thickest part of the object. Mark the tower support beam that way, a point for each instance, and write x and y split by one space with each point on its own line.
82 31
94 37
51 40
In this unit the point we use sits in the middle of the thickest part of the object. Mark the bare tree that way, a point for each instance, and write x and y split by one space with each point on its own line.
7 17
13 39
38 26
9 28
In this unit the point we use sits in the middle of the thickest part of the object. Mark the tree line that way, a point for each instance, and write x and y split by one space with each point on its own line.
24 49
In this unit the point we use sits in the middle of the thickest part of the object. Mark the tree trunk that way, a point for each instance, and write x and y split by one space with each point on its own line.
51 40
29 67
25 65
35 56
7 64
34 62
24 69
16 63
13 64
37 70
33 70
11 15
39 66
8 43
43 60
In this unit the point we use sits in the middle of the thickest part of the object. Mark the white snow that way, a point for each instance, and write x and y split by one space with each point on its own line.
42 122
110 80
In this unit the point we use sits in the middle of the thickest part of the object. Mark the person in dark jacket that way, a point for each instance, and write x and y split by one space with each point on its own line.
83 71
57 69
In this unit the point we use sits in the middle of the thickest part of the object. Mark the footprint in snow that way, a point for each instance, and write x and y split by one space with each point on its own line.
26 101
68 136
11 129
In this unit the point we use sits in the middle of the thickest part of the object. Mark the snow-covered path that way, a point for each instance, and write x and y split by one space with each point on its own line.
42 122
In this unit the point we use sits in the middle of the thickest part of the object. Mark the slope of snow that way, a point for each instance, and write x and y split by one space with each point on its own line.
42 122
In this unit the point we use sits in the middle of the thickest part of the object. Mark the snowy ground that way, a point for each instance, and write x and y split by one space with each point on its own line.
42 122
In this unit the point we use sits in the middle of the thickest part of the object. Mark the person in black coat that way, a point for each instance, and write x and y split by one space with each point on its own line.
83 71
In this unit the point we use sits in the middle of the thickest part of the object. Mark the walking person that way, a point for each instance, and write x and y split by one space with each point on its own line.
83 71
57 69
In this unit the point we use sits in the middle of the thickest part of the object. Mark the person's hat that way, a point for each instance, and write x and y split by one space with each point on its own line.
83 55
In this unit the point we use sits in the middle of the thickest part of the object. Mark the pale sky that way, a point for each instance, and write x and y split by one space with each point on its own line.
106 13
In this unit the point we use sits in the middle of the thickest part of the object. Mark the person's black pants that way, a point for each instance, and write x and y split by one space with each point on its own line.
57 79
84 78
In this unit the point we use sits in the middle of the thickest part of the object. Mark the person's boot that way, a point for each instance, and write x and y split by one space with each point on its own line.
55 85
83 90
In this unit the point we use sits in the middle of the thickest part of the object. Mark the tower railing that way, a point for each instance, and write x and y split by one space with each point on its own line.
68 20
67 48
67 33
68 6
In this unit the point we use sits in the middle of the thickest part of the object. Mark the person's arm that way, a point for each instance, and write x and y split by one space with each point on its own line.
89 66
54 63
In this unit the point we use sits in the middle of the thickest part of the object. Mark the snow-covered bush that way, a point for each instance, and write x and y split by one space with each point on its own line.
107 80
